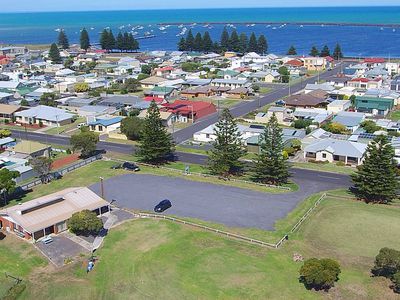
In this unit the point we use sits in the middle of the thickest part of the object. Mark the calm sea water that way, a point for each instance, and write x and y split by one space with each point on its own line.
380 40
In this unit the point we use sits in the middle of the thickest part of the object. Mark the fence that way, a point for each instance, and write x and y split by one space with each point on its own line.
61 172
237 236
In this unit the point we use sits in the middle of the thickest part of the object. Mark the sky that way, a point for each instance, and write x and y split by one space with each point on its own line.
85 5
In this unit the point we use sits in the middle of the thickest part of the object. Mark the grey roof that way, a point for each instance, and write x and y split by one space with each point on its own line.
6 140
322 86
120 100
94 108
349 119
229 81
338 147
45 113
79 102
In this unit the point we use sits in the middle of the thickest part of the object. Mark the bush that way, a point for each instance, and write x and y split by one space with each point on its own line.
387 264
15 291
301 123
340 164
40 124
6 121
319 274
85 222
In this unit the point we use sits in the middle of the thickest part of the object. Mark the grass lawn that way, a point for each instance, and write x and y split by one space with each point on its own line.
64 128
264 90
329 167
395 115
140 256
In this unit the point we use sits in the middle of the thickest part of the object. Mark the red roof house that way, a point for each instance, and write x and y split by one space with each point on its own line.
186 110
374 60
294 63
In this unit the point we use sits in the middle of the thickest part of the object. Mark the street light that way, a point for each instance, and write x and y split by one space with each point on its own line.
102 186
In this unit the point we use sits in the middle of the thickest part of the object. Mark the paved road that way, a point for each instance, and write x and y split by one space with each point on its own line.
231 206
245 107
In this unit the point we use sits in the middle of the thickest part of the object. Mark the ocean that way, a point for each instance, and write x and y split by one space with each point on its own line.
283 27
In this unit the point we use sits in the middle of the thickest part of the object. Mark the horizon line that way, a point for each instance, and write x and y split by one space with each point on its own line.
196 8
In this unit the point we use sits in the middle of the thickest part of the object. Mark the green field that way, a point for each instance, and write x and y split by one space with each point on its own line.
395 115
327 167
154 259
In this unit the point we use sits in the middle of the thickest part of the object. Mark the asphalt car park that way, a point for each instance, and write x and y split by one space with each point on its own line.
231 206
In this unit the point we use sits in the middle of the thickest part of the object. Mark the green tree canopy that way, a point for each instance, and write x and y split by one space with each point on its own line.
54 54
132 127
207 42
223 158
63 40
48 99
84 39
224 41
182 44
42 166
320 274
7 183
270 165
285 74
243 43
85 141
325 51
189 40
85 222
376 179
234 41
292 51
253 44
337 52
156 144
262 45
314 51
198 42
370 126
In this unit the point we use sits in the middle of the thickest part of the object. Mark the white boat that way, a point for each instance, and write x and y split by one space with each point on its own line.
180 26
57 29
162 28
381 28
91 28
301 26
394 30
273 28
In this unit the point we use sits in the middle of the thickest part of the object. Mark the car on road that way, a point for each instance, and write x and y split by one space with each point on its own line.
127 166
162 206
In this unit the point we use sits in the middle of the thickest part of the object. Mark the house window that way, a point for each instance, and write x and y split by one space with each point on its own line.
207 135
323 155
100 128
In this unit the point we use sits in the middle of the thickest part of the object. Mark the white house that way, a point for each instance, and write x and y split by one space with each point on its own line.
46 115
338 106
105 125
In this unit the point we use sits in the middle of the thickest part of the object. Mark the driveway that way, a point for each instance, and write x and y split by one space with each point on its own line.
233 207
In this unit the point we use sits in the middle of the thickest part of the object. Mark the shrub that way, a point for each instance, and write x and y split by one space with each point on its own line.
387 264
40 124
85 222
320 274
340 164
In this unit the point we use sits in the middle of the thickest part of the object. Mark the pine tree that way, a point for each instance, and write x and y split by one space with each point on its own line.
325 51
189 41
207 42
104 39
314 51
223 159
198 42
63 40
133 44
54 54
253 45
243 43
111 40
216 47
376 179
271 166
224 42
292 51
337 53
119 43
182 44
234 41
156 145
84 39
262 44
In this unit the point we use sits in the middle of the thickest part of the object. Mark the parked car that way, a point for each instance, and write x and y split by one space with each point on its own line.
130 166
162 206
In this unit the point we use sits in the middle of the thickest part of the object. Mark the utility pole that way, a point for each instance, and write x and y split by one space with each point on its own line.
102 187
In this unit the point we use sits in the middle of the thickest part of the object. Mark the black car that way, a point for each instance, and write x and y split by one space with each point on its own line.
162 206
130 166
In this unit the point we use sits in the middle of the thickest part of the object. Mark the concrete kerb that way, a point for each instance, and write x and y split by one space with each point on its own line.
206 175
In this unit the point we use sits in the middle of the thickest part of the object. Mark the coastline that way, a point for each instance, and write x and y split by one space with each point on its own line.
392 25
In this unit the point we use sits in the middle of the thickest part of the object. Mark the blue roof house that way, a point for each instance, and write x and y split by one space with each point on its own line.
105 126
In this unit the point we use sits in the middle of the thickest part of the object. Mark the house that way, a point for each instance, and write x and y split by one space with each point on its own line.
351 120
326 87
46 115
288 135
365 83
118 101
20 165
337 106
95 110
238 93
163 71
29 149
163 92
7 111
151 82
5 97
315 63
315 115
312 99
231 83
6 142
49 214
189 111
13 50
395 84
167 117
283 114
294 63
333 150
105 125
374 105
